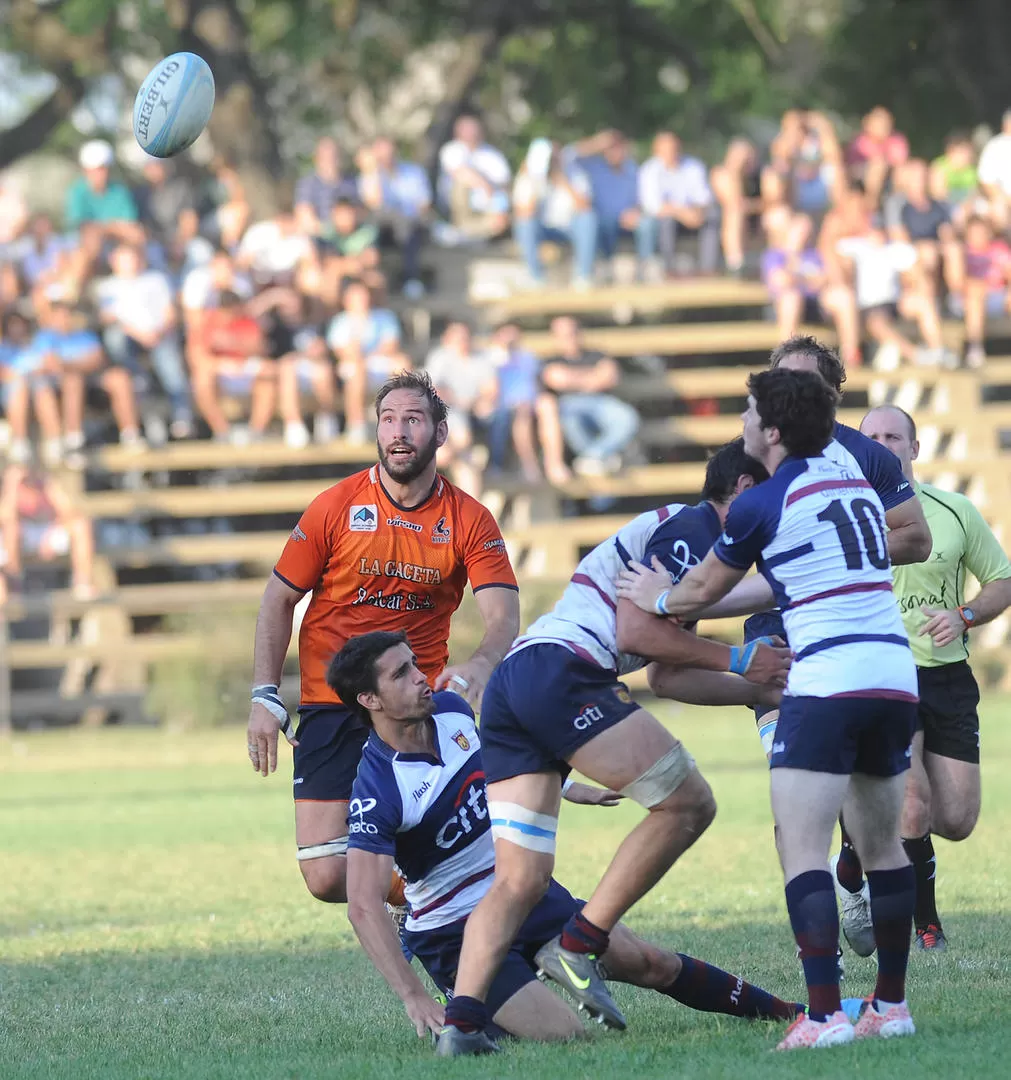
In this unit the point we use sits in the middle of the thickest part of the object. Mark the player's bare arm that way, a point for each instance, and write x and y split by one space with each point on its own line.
273 635
908 537
947 626
643 586
500 613
692 686
368 883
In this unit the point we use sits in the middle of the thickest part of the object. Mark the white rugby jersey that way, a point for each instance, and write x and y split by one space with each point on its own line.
816 530
430 814
584 619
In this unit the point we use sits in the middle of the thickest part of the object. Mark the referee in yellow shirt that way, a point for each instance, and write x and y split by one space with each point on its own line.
942 792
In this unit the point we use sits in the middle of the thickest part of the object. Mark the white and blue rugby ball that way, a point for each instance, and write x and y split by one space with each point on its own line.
173 104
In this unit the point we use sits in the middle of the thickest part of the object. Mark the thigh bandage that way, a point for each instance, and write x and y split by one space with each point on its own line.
523 827
767 733
661 779
322 851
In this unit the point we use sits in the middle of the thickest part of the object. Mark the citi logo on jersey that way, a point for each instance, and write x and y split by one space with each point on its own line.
591 714
471 809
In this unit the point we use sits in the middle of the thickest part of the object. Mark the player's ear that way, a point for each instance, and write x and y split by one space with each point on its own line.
368 701
441 432
744 481
914 450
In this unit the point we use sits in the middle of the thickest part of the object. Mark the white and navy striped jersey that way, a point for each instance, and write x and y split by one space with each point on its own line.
584 619
430 814
817 533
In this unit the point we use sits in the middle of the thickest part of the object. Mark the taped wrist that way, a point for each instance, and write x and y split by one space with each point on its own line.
267 695
742 656
661 602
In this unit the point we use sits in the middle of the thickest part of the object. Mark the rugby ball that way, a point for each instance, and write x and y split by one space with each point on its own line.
173 104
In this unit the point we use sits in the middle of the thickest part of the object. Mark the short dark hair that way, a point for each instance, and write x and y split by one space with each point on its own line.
353 670
726 467
830 367
910 422
419 382
800 404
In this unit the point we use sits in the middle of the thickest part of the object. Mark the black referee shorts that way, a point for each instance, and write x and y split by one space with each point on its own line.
947 712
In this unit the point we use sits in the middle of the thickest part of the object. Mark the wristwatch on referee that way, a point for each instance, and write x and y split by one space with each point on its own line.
967 615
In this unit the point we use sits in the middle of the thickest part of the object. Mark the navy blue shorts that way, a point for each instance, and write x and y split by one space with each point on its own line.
439 950
541 705
330 741
764 624
844 735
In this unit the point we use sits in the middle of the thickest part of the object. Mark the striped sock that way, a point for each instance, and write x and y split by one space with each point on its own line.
810 900
582 936
467 1013
708 988
893 896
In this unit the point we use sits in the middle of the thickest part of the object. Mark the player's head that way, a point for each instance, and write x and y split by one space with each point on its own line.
895 429
805 353
789 414
412 425
729 471
378 676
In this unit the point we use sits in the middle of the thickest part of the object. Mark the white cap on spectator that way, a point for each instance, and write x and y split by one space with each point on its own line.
95 154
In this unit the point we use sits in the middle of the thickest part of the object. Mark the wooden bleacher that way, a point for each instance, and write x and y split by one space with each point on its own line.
213 518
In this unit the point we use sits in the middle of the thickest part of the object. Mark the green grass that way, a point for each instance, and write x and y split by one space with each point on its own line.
153 924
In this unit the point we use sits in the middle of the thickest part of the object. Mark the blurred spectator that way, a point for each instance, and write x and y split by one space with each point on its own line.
203 286
551 202
597 425
228 359
850 217
13 217
467 382
37 517
43 253
317 193
226 219
995 172
366 342
167 204
913 217
737 186
674 197
94 197
304 366
67 345
137 309
26 381
474 182
795 273
349 251
399 197
518 372
271 250
879 265
806 163
607 161
953 176
980 290
875 151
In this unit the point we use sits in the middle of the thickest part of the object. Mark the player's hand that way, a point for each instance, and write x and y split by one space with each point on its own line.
643 586
590 795
944 627
769 696
261 739
468 680
770 665
426 1014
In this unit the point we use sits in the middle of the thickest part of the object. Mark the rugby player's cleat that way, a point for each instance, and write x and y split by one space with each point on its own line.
452 1042
856 914
805 1033
931 939
854 1007
892 1023
579 974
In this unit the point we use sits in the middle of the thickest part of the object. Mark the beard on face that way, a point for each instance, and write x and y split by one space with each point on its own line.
404 470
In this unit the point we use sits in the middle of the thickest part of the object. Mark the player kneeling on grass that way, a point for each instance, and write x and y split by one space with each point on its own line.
419 799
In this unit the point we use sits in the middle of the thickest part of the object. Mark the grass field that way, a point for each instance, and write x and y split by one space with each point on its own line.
154 925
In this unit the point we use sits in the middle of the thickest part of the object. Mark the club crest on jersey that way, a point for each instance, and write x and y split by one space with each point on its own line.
623 695
363 518
461 740
441 532
297 535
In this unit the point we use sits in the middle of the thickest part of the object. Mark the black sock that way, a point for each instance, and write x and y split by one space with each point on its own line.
707 988
467 1013
849 870
920 853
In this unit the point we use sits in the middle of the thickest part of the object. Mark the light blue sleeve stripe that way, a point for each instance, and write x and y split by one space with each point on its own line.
523 827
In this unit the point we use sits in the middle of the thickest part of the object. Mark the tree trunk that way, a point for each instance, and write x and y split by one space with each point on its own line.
39 124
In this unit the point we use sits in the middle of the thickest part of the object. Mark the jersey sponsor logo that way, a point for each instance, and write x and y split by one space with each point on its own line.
361 807
461 740
421 790
400 523
422 575
471 807
490 545
914 601
297 535
727 539
363 518
683 559
591 714
393 601
441 533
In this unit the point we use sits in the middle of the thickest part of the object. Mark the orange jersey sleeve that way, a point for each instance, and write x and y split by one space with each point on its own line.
484 550
310 545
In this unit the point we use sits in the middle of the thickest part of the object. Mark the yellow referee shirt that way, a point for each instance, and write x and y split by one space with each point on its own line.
963 543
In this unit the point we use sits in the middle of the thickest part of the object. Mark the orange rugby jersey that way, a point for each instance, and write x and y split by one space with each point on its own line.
371 564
